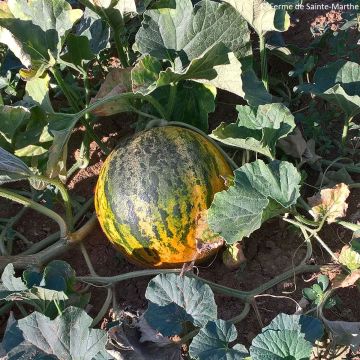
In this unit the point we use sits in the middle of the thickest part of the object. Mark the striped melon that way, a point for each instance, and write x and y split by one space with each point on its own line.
153 193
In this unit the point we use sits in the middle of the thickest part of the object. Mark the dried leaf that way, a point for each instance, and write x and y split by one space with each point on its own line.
349 280
117 81
330 203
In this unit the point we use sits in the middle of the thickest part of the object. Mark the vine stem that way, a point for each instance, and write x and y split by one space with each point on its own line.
7 250
52 237
242 315
63 244
64 194
104 308
129 95
87 260
345 131
322 243
120 48
315 235
245 296
263 60
38 207
349 168
74 103
171 101
77 236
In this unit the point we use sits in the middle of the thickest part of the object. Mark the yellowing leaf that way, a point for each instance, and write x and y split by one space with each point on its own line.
330 203
350 258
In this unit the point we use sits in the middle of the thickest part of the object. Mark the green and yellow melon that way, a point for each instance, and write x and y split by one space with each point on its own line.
153 193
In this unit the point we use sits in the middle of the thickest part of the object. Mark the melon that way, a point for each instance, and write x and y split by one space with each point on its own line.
153 193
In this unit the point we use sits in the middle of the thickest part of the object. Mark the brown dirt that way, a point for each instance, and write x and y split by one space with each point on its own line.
348 308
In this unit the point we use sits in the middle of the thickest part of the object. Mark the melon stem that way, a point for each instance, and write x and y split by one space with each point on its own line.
246 296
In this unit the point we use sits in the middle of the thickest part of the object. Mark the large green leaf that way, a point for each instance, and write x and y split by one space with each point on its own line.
32 133
37 93
112 11
40 298
260 191
339 83
192 103
36 32
208 43
147 75
42 290
78 50
257 129
13 118
68 336
287 337
175 300
261 15
185 33
212 342
95 29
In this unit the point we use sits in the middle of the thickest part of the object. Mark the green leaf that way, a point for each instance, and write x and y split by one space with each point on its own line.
12 168
192 104
95 29
37 92
277 345
257 129
261 15
147 74
323 281
202 44
36 32
113 12
337 82
78 50
212 342
59 276
309 327
260 191
40 298
174 300
40 291
235 77
12 119
309 294
287 337
68 336
186 33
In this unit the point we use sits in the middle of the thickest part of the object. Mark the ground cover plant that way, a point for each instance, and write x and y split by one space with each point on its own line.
236 142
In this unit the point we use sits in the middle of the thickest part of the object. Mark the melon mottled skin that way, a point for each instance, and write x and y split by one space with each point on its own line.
153 193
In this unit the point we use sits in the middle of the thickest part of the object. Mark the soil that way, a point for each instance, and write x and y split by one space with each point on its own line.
347 308
271 250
